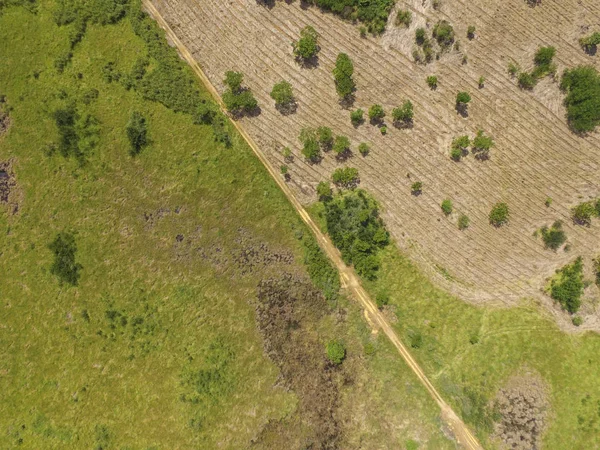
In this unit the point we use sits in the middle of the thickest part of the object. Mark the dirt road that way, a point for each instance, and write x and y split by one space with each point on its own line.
349 279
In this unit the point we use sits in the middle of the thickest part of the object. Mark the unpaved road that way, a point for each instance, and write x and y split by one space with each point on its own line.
349 279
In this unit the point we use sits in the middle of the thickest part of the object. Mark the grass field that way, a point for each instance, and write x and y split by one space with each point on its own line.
470 352
172 244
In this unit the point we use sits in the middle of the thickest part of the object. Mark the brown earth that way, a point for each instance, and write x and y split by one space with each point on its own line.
8 186
535 157
523 407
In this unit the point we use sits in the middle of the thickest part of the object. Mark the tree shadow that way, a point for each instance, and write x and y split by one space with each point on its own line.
309 63
463 110
287 109
404 124
345 155
347 101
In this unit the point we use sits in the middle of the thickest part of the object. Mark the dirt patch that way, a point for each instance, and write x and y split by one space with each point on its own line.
286 308
4 117
8 186
523 407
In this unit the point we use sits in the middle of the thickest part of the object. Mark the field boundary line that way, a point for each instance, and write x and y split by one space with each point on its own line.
349 279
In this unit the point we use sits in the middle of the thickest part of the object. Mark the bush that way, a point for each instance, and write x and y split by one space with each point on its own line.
403 18
499 215
310 146
64 265
567 287
61 61
336 352
356 117
383 130
382 299
554 236
482 145
137 133
364 149
459 147
463 222
582 214
513 69
456 154
376 113
415 339
577 321
462 98
432 81
78 133
324 192
420 36
341 145
471 32
543 57
443 33
325 137
356 229
590 43
345 177
205 114
481 82
526 81
403 113
416 188
307 46
282 94
320 270
342 73
238 100
582 85
287 154
447 207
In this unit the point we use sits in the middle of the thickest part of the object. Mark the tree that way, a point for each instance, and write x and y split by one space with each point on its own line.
432 82
237 100
463 222
443 33
582 85
336 352
403 18
543 57
382 299
282 94
526 81
416 188
554 236
342 73
447 207
499 214
482 145
567 287
459 147
325 137
307 46
376 113
137 131
346 177
356 117
310 146
582 213
324 192
404 113
471 32
462 98
420 36
234 80
64 266
341 145
364 149
590 43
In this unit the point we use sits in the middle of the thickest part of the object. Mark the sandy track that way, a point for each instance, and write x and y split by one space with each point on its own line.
349 279
535 157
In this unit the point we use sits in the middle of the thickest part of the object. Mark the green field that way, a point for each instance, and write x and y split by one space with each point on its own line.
157 346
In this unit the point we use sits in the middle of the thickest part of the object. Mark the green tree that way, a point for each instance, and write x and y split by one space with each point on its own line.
590 43
462 98
282 94
307 46
403 114
582 214
325 137
463 222
310 146
443 33
341 145
234 80
363 148
336 352
499 215
382 299
482 145
356 117
459 147
526 81
447 207
582 85
237 100
554 236
346 177
342 73
567 286
137 133
432 82
64 266
376 113
324 192
403 18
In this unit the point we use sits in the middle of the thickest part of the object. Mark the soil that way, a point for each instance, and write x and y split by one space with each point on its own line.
7 185
285 310
536 156
523 407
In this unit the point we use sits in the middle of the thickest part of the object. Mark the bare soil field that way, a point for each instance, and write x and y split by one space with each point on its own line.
535 157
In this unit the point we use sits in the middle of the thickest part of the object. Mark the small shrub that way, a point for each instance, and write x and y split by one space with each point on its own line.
284 171
64 266
436 4
382 299
590 43
363 32
325 137
499 215
577 321
459 147
415 339
474 339
513 69
342 73
526 81
447 207
341 145
456 154
403 18
287 154
482 145
383 130
416 188
432 81
282 94
443 33
233 80
307 46
364 149
471 32
481 82
310 146
336 352
462 98
356 117
403 113
582 214
137 133
548 202
543 57
554 236
346 177
463 222
567 286
324 192
376 113
420 36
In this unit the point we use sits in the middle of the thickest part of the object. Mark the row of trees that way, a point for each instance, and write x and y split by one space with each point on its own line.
543 66
480 146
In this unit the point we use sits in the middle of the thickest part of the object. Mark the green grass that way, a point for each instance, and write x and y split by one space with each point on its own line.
155 346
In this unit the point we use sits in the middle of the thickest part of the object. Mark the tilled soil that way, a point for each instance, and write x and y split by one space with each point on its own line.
535 156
